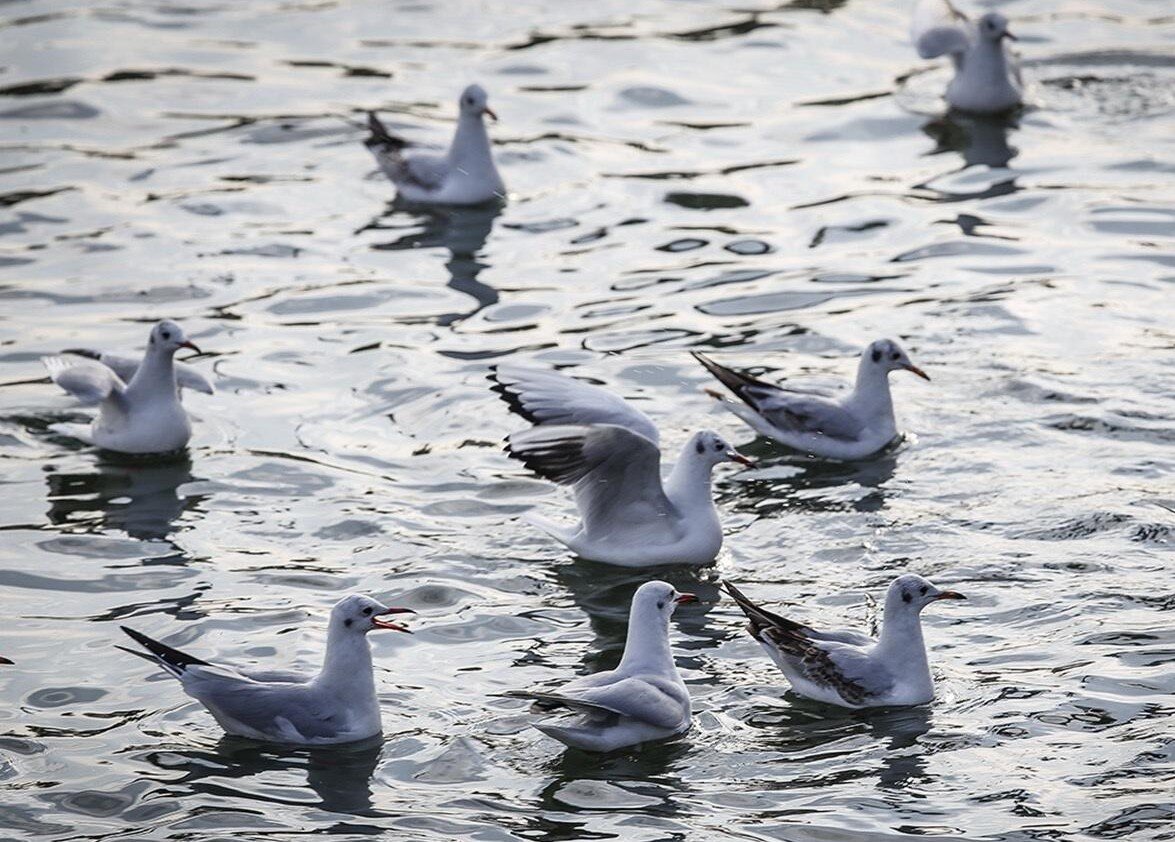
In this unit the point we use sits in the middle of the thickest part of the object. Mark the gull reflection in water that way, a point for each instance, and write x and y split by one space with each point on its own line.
140 498
461 230
980 140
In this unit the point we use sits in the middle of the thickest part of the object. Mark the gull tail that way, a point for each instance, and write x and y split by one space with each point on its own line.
173 661
739 384
564 536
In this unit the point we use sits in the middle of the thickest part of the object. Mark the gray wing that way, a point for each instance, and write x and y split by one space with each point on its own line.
90 383
938 28
808 414
425 172
616 473
542 396
267 707
186 376
633 698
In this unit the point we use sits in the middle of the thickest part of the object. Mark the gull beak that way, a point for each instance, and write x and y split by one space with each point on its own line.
1010 36
489 111
192 345
735 456
950 595
4 660
683 598
384 624
918 371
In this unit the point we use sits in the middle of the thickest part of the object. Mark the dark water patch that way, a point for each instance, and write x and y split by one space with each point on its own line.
776 302
17 197
748 248
149 75
41 87
685 244
67 110
56 697
724 30
820 235
706 201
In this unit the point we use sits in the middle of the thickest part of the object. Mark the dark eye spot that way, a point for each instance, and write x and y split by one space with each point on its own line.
367 610
719 446
700 447
166 335
922 590
661 604
906 596
895 356
876 356
347 622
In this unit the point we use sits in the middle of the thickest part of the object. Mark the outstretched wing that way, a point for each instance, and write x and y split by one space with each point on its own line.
88 382
938 28
186 376
542 396
616 473
787 410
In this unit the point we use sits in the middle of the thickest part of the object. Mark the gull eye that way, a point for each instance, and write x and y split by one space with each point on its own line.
661 604
367 610
906 596
895 356
700 447
876 356
719 446
166 334
922 590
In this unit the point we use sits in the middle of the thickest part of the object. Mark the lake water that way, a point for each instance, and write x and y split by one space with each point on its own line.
766 182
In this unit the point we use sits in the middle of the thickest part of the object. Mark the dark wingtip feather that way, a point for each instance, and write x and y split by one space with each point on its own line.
162 651
731 379
512 398
560 460
760 618
381 137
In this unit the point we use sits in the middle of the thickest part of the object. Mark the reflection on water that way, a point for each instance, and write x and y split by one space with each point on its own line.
981 141
139 498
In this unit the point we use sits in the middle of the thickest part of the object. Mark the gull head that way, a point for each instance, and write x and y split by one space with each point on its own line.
169 337
473 102
358 614
911 592
993 27
658 599
889 356
712 449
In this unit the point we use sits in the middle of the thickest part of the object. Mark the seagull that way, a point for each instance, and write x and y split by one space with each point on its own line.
125 366
642 699
853 427
139 416
851 669
465 175
987 77
608 450
338 705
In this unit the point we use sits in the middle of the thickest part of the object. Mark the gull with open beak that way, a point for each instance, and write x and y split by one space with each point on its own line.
338 705
609 452
987 76
140 416
853 427
464 175
643 699
851 669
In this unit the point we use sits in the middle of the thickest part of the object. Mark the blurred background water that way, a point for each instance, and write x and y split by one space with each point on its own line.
774 183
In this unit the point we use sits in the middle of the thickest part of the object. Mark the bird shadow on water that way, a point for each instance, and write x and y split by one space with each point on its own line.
237 768
462 230
604 593
140 498
799 483
979 140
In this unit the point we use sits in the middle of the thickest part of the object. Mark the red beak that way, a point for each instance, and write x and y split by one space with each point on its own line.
192 345
1010 36
490 112
683 598
950 595
918 371
384 624
735 456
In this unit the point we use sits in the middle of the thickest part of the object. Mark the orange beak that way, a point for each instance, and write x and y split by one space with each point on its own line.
384 624
918 371
1010 36
683 598
735 456
950 595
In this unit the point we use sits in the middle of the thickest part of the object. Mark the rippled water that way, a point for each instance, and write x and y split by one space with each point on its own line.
770 181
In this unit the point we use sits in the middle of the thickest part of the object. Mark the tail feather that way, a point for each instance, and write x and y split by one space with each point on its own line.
737 382
172 660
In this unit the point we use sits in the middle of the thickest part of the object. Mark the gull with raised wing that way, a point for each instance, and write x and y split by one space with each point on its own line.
642 699
851 669
338 705
853 427
987 76
609 452
139 416
464 175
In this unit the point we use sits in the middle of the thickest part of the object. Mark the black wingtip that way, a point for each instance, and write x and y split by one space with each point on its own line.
759 617
560 460
731 379
380 136
512 398
162 651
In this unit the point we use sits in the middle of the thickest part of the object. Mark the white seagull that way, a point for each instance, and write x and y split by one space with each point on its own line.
125 366
642 699
853 427
338 705
987 77
851 669
139 416
465 175
608 450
